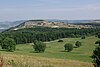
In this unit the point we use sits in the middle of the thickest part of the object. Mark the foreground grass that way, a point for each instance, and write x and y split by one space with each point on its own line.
56 50
12 60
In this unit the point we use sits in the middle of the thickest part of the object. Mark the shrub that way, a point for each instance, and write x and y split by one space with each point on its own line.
96 57
78 44
8 44
39 46
83 37
98 35
68 47
97 42
60 40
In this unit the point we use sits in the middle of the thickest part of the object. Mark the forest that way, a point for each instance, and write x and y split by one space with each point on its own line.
28 35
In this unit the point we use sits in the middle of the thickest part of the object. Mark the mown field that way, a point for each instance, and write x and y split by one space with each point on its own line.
54 54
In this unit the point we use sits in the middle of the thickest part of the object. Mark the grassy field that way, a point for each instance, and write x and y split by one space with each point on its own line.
55 51
12 60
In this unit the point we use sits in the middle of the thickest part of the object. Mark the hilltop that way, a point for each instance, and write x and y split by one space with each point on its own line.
46 23
54 23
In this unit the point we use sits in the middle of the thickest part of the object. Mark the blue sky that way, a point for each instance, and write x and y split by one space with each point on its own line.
49 9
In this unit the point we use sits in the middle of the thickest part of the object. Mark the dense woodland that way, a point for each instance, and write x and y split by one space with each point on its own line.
28 35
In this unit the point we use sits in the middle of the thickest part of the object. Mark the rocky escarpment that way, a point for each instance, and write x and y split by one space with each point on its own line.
45 23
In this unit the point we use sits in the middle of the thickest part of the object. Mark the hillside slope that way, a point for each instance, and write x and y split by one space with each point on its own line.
54 56
31 61
7 24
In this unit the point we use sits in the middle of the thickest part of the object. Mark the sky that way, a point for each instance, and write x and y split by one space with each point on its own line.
49 9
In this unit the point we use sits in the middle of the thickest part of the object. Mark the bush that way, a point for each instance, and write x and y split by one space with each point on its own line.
60 40
96 57
98 35
8 44
68 47
83 37
97 42
78 44
39 46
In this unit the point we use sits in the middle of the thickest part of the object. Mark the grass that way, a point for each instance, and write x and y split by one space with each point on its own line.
12 60
55 52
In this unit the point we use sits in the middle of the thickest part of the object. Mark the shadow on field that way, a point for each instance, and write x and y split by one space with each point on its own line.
63 51
33 52
75 47
2 50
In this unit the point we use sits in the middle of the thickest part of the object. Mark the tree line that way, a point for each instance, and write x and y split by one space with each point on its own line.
28 35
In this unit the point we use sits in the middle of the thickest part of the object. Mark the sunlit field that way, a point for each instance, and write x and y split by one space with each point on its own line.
54 55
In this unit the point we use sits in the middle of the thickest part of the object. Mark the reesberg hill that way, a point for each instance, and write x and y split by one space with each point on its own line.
45 23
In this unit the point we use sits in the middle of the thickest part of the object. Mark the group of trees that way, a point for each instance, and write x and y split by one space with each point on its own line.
28 35
40 46
96 57
96 54
8 43
69 47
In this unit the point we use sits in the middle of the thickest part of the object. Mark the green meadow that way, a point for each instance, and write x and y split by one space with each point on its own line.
55 49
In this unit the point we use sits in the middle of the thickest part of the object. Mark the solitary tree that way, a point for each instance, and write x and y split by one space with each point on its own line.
68 47
8 44
39 46
78 44
96 57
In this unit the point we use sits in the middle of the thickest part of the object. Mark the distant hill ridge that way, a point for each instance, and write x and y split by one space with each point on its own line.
46 23
54 23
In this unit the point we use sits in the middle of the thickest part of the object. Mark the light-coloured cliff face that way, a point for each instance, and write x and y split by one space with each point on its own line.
45 23
31 23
